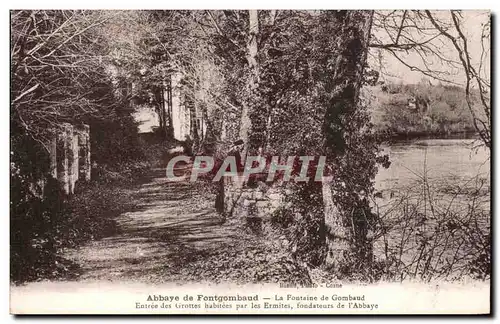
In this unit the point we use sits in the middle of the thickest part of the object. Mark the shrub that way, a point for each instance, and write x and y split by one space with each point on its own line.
430 232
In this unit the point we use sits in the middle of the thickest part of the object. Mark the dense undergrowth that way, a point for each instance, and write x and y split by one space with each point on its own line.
430 230
435 231
43 227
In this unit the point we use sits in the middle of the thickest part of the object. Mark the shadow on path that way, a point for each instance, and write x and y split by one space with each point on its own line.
170 227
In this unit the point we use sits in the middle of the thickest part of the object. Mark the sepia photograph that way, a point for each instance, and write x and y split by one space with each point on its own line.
250 162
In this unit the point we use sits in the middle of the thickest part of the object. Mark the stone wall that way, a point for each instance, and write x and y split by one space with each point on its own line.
251 201
261 199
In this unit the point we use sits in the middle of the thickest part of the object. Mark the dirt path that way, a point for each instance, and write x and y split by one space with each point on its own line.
171 226
174 235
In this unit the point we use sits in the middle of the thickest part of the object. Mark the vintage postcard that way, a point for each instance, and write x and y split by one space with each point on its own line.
250 162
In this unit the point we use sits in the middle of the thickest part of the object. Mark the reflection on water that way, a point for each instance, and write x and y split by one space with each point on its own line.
436 228
443 159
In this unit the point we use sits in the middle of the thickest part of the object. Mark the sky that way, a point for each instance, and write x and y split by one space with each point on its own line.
396 71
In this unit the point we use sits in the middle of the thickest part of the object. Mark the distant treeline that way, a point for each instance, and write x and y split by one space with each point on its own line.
420 110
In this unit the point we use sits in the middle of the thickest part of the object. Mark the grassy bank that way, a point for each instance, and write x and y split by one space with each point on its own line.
420 110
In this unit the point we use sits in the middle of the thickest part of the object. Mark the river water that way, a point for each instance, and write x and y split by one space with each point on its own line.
444 219
442 160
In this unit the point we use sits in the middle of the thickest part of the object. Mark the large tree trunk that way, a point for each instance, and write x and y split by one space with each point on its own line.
246 123
193 118
168 102
345 230
160 110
